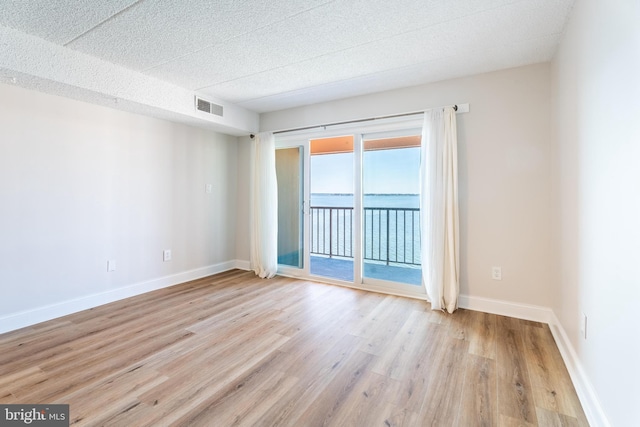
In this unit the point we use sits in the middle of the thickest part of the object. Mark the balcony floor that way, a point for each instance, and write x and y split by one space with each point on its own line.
342 269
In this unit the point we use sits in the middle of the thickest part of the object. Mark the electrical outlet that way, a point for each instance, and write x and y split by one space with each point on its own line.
111 265
208 188
496 273
583 326
166 255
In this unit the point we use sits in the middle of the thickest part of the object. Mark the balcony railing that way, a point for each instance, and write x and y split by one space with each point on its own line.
391 235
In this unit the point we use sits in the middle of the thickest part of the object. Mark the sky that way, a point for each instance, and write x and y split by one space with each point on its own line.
385 172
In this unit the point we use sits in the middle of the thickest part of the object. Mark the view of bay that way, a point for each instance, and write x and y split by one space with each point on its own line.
391 225
370 200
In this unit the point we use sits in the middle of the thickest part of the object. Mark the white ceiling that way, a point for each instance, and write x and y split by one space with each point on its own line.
267 55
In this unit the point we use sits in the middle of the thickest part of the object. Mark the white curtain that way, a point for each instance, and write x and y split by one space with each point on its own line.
439 209
264 207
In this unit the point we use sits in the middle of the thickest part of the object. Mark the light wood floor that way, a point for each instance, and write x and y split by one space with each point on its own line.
233 349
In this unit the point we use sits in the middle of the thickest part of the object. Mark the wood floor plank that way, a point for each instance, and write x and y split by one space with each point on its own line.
442 397
460 326
554 419
389 323
482 341
335 395
366 404
234 349
7 398
326 315
98 398
547 373
515 393
405 348
418 376
313 380
21 378
131 415
480 393
182 394
68 378
506 421
394 416
372 321
272 393
232 404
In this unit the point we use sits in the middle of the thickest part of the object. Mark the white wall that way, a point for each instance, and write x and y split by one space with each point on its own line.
504 180
81 184
596 80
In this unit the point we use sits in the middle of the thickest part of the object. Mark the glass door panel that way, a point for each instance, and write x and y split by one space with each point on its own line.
289 172
391 209
331 215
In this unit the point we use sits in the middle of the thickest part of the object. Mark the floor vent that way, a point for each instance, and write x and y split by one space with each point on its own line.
209 107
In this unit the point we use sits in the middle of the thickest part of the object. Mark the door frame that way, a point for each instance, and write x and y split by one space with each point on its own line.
381 128
287 270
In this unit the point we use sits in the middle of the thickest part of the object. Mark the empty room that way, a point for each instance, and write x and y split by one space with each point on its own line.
319 212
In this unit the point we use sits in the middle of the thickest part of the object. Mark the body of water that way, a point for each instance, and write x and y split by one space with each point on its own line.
370 200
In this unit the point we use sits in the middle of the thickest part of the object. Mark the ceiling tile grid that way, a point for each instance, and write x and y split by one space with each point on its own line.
330 28
159 31
431 71
268 55
445 41
58 21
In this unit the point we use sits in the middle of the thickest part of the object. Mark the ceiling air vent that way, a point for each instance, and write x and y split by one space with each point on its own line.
208 107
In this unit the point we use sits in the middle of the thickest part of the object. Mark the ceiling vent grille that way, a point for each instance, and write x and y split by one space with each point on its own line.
209 107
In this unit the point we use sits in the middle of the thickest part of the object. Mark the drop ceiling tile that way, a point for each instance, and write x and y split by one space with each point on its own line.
329 28
156 31
416 47
58 21
274 54
297 58
464 64
385 18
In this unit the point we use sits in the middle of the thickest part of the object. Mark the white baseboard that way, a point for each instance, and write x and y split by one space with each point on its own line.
41 314
518 310
584 389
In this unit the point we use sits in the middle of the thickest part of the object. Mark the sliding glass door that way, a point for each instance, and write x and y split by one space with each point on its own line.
391 208
349 209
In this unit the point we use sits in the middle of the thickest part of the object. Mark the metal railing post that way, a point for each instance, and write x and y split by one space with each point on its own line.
330 232
388 240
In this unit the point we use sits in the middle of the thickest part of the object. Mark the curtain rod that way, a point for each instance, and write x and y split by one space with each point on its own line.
455 108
